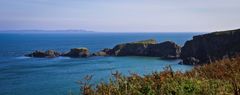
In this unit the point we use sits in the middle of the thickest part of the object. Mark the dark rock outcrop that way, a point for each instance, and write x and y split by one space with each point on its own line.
100 53
149 47
104 52
165 50
77 52
41 54
210 47
108 51
190 61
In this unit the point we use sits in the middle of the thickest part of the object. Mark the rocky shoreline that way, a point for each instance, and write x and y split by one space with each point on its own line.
150 47
201 49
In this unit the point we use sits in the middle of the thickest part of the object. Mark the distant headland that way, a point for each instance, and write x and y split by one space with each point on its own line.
46 31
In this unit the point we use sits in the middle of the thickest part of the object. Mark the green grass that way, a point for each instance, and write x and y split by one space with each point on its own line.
149 41
218 78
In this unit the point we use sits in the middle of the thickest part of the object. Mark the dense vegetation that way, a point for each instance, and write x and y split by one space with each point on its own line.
218 78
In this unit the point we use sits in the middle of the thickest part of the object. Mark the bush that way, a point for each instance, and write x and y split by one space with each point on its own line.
218 78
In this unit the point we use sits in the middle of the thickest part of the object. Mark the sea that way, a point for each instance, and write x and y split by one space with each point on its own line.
20 75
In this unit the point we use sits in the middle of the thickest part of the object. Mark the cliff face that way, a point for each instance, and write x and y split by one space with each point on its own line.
132 49
150 47
212 46
165 49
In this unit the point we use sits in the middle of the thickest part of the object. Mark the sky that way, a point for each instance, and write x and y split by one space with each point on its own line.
120 15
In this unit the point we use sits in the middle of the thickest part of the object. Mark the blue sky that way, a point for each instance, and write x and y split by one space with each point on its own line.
121 15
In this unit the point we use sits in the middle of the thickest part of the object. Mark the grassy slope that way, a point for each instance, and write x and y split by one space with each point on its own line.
219 78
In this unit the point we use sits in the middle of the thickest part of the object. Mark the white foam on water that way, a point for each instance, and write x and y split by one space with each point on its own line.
62 57
23 57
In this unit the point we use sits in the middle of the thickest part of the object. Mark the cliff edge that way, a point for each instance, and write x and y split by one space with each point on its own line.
209 47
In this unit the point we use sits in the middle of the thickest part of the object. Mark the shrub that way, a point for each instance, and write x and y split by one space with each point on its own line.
218 78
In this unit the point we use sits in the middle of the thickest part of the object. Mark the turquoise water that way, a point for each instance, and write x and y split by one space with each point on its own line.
21 75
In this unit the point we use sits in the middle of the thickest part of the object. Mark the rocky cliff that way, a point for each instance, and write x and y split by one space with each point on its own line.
166 50
210 47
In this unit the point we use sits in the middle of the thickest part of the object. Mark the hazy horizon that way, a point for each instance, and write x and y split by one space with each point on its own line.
89 31
120 16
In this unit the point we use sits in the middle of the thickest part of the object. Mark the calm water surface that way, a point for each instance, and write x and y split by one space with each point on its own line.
21 75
